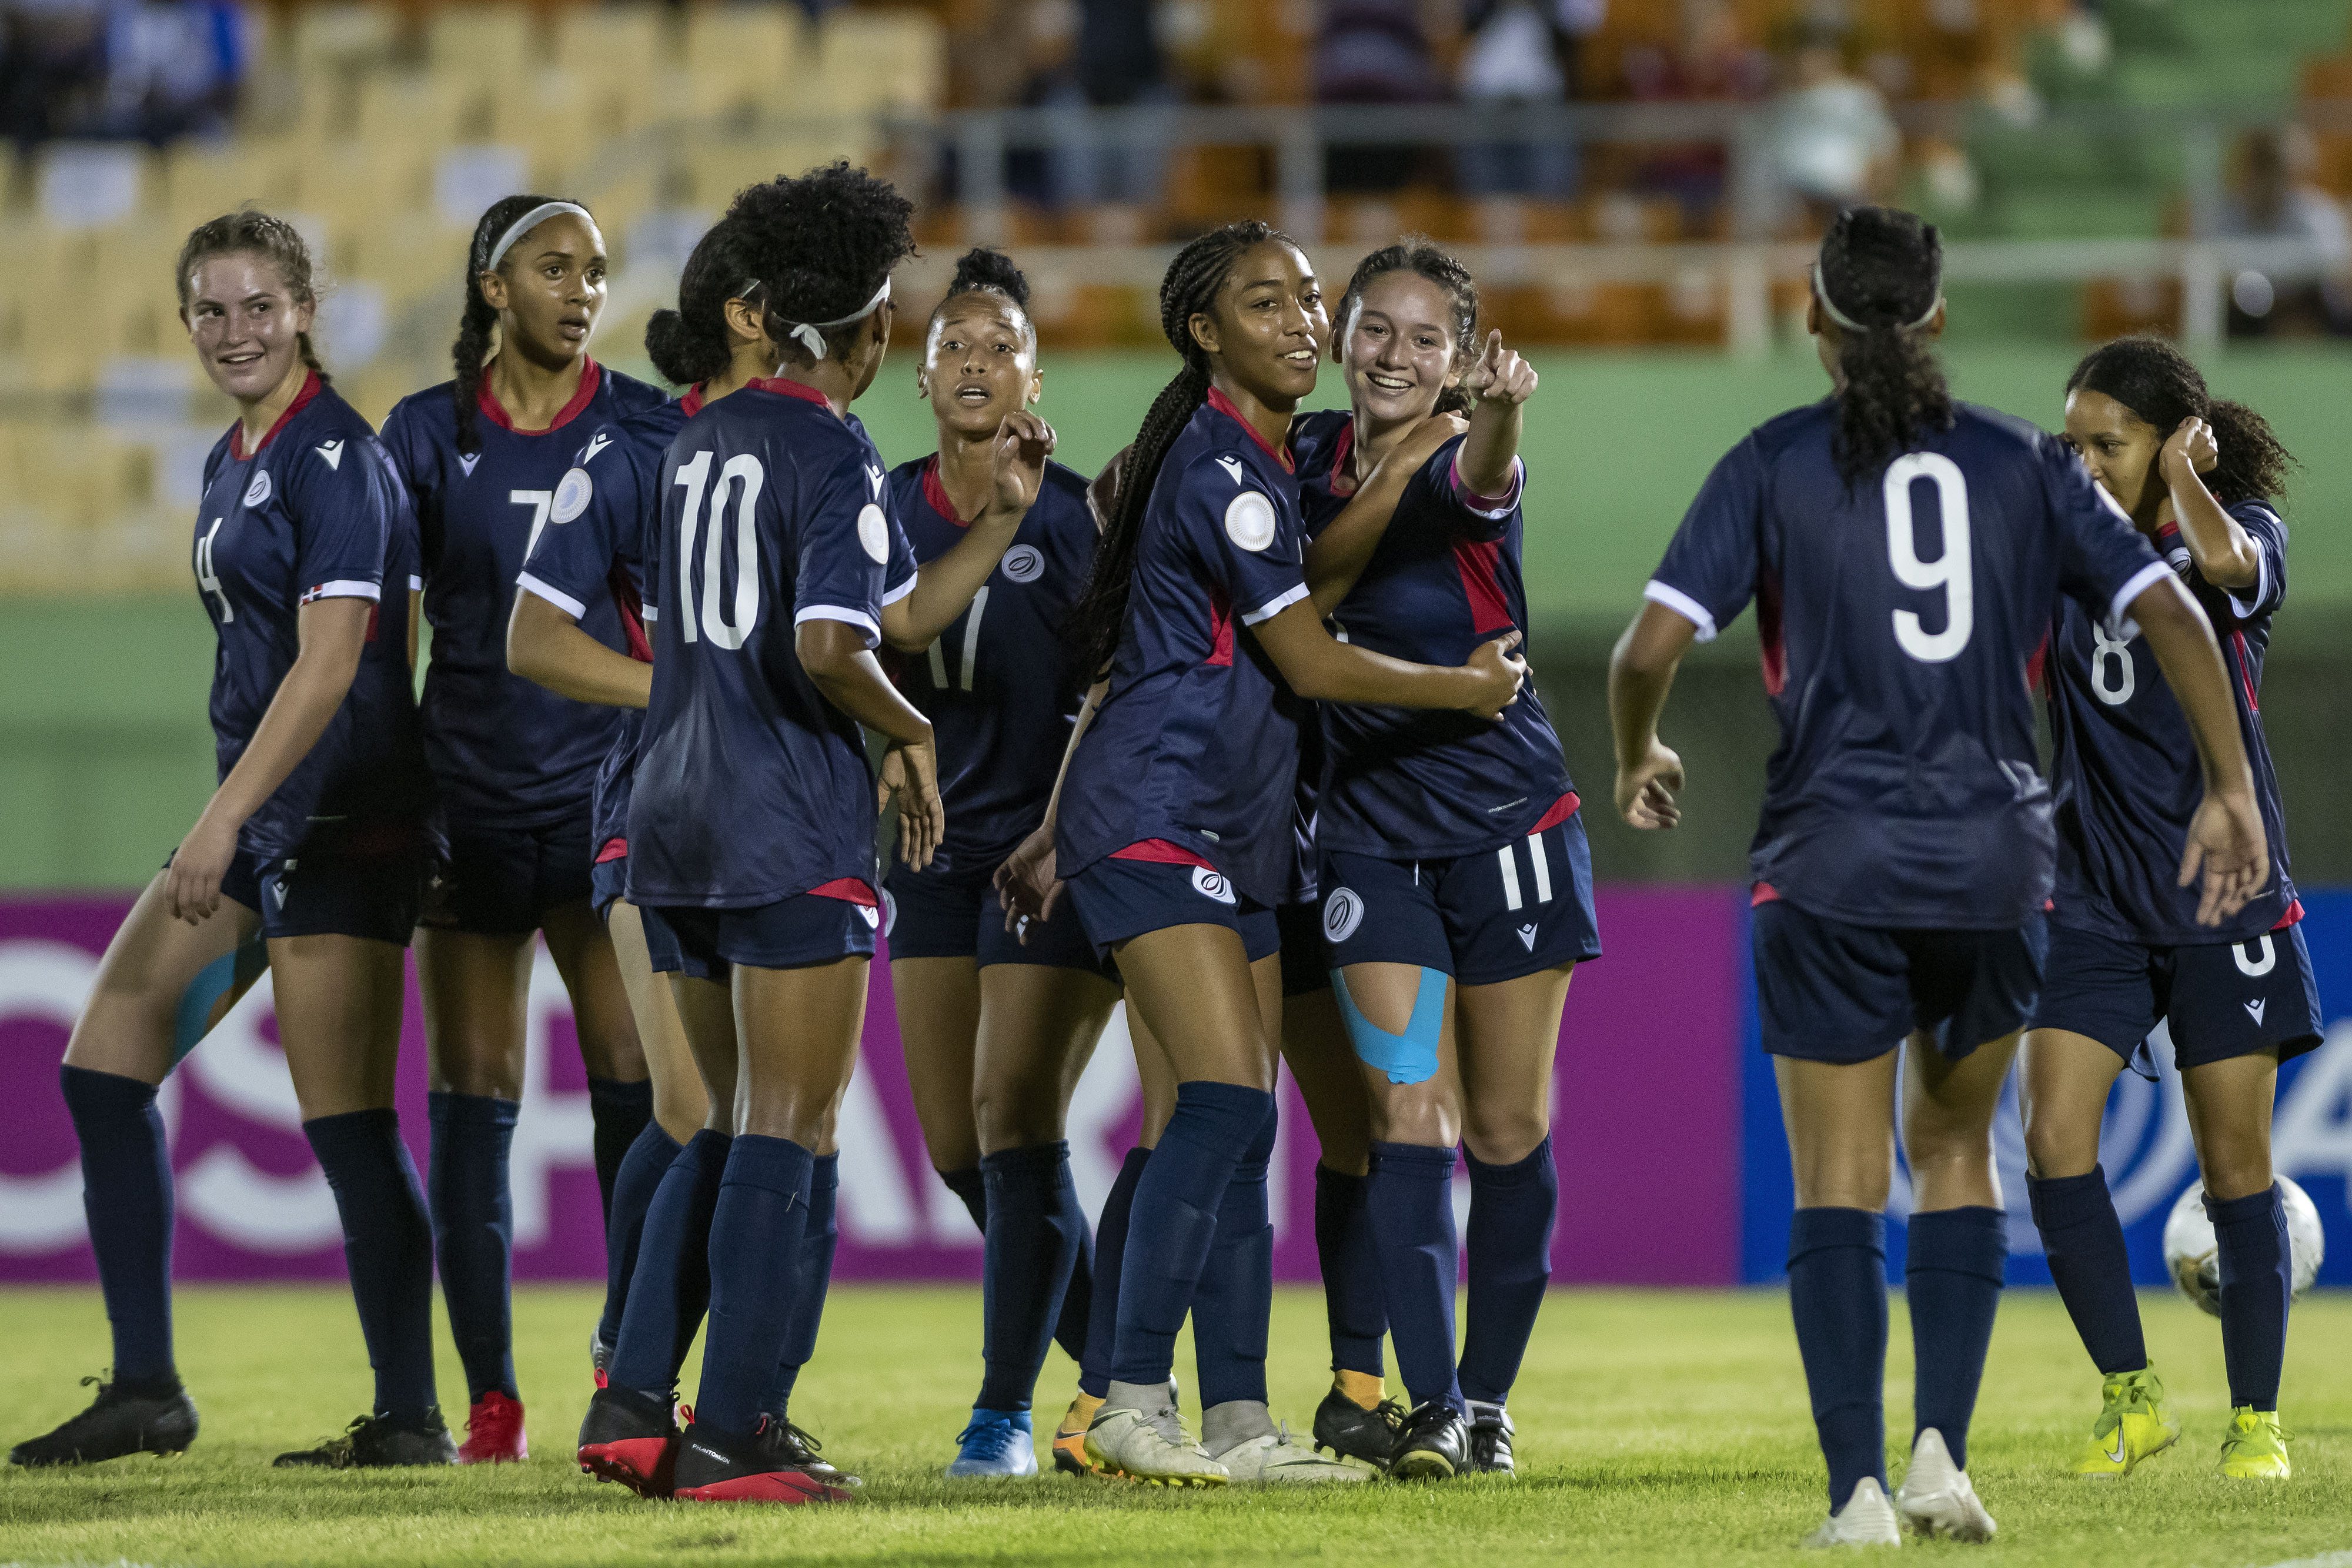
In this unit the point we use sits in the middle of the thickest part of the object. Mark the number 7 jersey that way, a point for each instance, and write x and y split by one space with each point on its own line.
1899 619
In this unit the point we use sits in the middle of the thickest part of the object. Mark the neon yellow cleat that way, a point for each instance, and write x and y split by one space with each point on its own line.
2255 1448
2133 1424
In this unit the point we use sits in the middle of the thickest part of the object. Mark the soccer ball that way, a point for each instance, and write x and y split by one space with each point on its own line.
2194 1258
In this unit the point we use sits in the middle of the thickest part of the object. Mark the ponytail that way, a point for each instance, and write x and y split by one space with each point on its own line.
1880 279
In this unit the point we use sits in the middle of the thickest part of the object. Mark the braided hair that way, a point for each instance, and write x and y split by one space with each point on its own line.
2157 384
1883 270
249 230
1416 254
980 270
1189 290
473 327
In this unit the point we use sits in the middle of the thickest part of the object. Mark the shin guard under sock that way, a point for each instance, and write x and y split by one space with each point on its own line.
1512 1211
388 1246
819 1238
1034 1229
618 1110
1837 1294
671 1285
634 1187
1351 1260
1234 1299
756 1262
1409 1197
473 1232
1174 1221
2083 1241
1110 1255
2256 1287
126 1196
1952 1274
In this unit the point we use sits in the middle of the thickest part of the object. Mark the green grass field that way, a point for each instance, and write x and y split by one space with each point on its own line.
1655 1428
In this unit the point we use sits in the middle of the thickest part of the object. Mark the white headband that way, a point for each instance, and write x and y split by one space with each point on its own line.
809 332
525 223
1821 293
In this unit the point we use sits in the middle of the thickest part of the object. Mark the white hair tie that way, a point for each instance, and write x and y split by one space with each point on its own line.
1821 293
810 334
528 222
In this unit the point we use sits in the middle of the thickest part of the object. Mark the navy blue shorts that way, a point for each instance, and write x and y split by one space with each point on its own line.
608 883
1833 992
1118 899
1483 918
790 934
956 914
338 894
1304 972
502 881
2219 1000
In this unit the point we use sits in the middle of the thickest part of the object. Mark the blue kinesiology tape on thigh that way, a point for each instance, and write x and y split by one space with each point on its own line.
230 974
1407 1057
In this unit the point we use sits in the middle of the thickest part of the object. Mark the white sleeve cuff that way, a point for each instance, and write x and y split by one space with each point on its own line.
2140 580
555 596
416 584
1487 507
1275 606
2246 609
857 618
344 588
648 613
1682 604
892 595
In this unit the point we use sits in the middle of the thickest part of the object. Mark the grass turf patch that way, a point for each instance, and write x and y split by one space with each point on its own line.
1654 1427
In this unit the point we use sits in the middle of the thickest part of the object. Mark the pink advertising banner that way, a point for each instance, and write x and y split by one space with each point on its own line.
1646 1123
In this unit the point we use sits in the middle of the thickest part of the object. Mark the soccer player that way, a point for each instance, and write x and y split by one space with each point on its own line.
2198 476
1457 886
482 457
1906 852
997 1024
1175 820
314 843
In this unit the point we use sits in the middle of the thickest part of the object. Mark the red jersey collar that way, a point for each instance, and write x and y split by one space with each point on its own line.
935 492
691 404
785 386
1224 406
592 376
311 387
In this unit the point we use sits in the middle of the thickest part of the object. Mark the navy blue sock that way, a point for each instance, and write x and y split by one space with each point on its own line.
1234 1299
755 1272
473 1232
634 1187
970 1185
819 1236
1350 1263
1409 1197
1952 1274
2255 1290
1034 1227
618 1111
1175 1220
1837 1294
1110 1257
2085 1243
1077 1296
671 1283
126 1195
388 1244
1512 1209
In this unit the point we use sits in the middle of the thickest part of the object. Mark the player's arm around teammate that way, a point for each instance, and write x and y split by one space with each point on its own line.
2198 476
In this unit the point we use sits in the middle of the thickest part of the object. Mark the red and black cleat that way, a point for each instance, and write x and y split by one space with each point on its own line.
712 1468
630 1437
494 1432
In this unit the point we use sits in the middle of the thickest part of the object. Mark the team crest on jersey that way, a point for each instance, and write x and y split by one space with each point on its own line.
258 493
1023 564
572 492
332 451
1249 521
873 532
1342 913
1213 884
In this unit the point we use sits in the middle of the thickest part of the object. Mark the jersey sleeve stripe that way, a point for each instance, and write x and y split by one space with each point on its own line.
1491 508
343 588
1682 604
857 618
2139 584
892 595
553 595
1276 605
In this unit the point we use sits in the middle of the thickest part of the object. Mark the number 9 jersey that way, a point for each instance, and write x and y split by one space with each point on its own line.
751 787
1899 617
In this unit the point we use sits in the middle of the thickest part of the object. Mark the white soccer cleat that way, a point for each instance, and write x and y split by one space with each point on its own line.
1278 1459
1866 1520
1152 1447
1937 1499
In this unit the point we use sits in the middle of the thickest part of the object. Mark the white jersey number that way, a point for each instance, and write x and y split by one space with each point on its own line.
1951 571
971 660
207 579
539 501
744 474
2117 693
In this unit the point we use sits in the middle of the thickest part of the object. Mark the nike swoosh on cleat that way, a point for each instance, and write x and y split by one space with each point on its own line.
2117 1457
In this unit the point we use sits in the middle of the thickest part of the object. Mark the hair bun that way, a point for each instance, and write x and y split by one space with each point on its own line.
980 267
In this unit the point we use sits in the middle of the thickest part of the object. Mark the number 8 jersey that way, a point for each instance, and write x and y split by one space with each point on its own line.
1899 617
751 787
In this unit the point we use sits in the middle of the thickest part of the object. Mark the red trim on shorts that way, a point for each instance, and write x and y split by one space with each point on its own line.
1160 852
1561 810
1474 560
614 849
691 404
1220 630
1224 406
2293 915
311 386
2245 670
1763 894
592 376
935 492
784 386
849 890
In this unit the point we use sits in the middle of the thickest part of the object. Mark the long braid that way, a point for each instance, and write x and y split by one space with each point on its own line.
1189 290
1884 268
480 317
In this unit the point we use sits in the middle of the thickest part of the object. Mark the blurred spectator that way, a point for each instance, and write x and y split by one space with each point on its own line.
126 69
2270 197
1106 57
1829 142
1522 52
52 66
1374 52
1710 63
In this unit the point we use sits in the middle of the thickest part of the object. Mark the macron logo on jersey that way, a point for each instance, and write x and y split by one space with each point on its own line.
2255 1008
874 477
333 452
1233 467
466 460
597 444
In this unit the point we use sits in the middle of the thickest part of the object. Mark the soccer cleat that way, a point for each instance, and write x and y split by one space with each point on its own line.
1278 1459
1866 1520
1490 1439
1937 1499
1352 1432
714 1469
630 1437
379 1442
1433 1446
2255 1448
1152 1446
2133 1424
600 1355
995 1443
1070 1437
494 1434
796 1450
124 1419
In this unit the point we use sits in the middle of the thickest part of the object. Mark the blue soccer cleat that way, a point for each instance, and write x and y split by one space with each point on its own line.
997 1443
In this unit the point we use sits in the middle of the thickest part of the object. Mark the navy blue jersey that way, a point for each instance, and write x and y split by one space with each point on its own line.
506 752
1418 784
1000 684
2126 764
751 787
314 512
1899 617
597 548
1197 742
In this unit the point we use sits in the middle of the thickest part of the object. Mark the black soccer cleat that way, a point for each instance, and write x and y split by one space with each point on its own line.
630 1437
1352 1432
154 1416
796 1450
1490 1439
714 1468
1433 1446
379 1442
